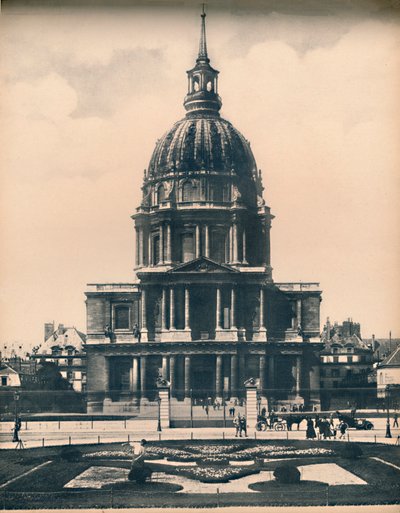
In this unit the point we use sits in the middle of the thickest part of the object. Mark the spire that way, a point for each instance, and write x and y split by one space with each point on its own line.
203 41
202 94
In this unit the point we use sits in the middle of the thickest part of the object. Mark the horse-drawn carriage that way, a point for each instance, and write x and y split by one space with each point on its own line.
278 423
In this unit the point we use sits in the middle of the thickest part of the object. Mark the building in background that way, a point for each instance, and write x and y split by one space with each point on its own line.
203 310
346 366
64 346
388 374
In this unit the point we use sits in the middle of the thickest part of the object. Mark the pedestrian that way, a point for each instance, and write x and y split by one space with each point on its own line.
289 422
310 433
206 409
343 429
331 420
243 426
395 420
263 411
236 423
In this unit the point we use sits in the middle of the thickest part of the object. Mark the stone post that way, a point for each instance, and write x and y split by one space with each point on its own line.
187 376
165 410
251 404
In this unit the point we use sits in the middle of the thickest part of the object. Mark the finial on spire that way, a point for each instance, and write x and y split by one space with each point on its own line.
203 43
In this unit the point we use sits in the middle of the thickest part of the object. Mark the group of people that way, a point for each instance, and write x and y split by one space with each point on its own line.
240 423
326 427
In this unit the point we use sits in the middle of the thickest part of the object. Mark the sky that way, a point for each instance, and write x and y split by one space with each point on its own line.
85 94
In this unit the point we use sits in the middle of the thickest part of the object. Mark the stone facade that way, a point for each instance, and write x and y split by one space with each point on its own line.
203 310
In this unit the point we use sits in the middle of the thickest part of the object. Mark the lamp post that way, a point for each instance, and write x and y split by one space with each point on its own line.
258 405
387 397
159 414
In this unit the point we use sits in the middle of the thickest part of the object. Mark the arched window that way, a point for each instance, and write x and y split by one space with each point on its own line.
218 245
196 84
187 247
156 249
121 317
210 86
160 194
187 191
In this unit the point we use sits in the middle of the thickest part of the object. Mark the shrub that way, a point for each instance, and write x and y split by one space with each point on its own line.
70 454
287 474
213 461
140 474
351 451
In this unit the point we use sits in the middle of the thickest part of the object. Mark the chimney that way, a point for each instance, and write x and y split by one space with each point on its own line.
60 329
48 330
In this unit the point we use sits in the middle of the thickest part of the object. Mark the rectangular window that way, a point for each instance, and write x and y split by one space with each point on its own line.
4 381
335 359
121 317
187 247
349 359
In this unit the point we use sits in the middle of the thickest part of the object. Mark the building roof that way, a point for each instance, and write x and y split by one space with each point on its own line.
393 360
63 337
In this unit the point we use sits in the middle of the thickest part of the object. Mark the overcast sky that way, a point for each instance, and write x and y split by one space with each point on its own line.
86 94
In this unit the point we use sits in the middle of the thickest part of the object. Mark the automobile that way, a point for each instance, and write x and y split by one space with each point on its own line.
353 422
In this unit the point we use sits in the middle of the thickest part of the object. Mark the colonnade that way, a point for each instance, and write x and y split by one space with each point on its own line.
236 243
169 313
179 371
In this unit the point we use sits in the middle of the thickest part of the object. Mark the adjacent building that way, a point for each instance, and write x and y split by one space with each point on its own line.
64 346
202 310
388 374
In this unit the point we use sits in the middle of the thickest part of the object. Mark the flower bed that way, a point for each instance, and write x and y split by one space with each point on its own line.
216 474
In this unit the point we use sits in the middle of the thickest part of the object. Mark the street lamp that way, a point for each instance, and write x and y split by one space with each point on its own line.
159 414
387 396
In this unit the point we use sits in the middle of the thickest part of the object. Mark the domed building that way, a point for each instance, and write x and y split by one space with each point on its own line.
203 312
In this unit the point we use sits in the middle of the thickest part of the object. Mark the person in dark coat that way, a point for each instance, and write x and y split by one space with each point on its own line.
310 433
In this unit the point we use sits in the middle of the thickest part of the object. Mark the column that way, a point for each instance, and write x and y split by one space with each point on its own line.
107 395
165 367
135 379
172 374
271 372
230 244
197 254
262 308
144 330
235 243
161 244
234 376
187 377
135 375
164 309
218 377
262 375
298 312
207 241
169 245
137 247
298 375
244 255
218 310
187 308
171 308
149 252
143 369
233 308
314 379
141 248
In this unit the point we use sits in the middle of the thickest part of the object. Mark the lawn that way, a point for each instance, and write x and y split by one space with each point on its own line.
215 462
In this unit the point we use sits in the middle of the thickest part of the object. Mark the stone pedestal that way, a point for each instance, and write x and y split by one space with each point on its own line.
293 336
251 403
165 410
260 335
227 335
176 336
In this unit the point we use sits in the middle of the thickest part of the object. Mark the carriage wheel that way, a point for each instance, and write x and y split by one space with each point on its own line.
279 426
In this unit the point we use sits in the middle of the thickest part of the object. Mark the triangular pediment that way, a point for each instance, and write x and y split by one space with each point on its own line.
203 265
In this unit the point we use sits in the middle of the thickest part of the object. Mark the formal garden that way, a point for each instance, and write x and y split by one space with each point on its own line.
202 473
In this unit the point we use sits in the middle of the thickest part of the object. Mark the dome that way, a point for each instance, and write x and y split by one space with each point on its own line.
201 141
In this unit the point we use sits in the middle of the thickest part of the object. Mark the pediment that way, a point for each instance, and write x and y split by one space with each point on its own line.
203 265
